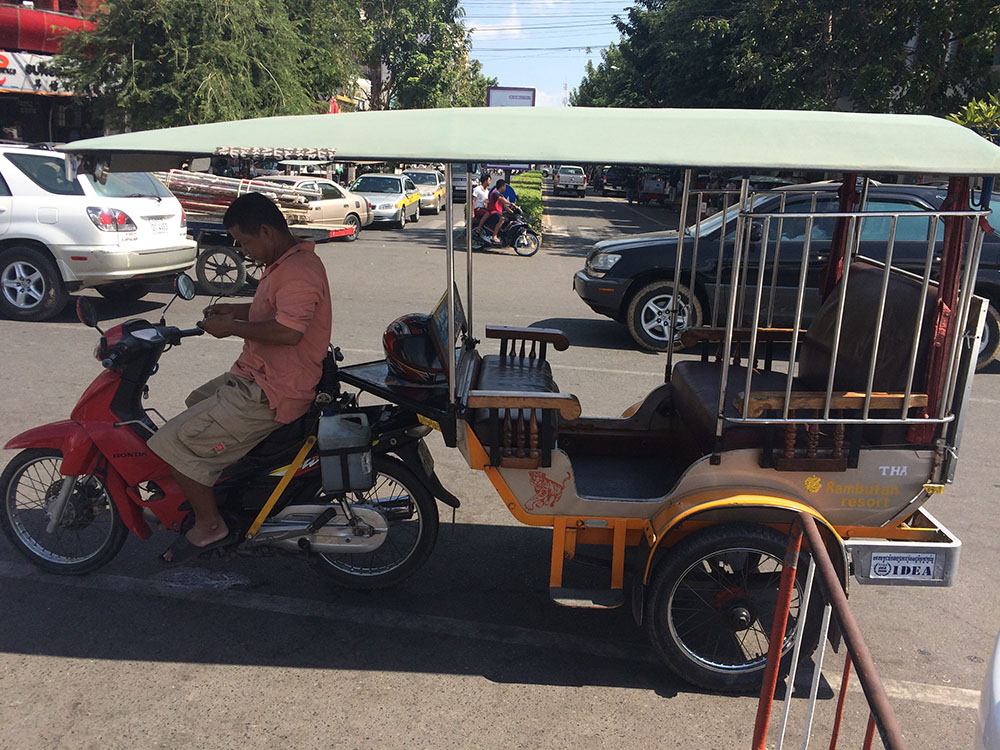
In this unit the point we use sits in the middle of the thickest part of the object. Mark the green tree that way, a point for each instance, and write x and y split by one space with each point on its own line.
330 31
418 54
981 115
926 56
158 63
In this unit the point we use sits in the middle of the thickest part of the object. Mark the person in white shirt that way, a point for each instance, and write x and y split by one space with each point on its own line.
480 195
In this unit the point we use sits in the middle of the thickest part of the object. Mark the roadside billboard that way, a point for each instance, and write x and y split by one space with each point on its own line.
509 96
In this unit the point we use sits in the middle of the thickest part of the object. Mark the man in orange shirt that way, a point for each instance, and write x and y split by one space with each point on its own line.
286 333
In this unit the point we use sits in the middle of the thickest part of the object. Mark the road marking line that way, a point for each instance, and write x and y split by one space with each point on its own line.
941 695
507 635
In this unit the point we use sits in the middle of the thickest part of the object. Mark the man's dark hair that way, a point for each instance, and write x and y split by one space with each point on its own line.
484 178
500 183
252 210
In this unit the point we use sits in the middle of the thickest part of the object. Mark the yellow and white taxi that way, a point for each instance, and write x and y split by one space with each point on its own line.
393 197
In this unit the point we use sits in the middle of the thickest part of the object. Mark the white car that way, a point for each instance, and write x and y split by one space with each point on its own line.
59 235
570 179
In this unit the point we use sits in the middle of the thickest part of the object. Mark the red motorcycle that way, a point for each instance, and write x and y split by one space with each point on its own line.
79 486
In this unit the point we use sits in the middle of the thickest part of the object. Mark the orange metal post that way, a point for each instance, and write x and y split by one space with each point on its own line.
785 590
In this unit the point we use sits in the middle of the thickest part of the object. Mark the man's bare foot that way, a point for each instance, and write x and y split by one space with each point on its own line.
198 538
202 536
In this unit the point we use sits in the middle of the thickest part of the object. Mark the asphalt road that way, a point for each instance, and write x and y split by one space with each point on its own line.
469 652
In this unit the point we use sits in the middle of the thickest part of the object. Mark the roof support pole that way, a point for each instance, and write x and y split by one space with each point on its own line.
944 314
449 349
848 193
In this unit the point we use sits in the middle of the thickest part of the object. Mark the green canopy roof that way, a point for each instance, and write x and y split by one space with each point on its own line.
711 138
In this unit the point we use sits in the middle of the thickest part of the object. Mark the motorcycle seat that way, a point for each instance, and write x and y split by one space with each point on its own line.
287 438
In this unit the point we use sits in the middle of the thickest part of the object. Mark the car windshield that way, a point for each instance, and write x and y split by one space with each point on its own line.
129 185
570 170
48 172
422 178
373 184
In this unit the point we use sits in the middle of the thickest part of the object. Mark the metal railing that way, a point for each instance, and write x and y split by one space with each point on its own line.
881 716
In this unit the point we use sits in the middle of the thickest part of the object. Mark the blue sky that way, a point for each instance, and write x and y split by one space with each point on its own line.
540 43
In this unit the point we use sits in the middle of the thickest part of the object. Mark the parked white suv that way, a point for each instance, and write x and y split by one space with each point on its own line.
59 235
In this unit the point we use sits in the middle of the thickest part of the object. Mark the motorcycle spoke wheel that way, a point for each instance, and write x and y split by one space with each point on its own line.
90 531
412 518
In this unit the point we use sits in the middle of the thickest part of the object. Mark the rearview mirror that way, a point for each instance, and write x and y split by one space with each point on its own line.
184 287
756 231
86 312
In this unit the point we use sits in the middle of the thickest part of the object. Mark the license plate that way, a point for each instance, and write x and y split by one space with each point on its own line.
903 565
159 226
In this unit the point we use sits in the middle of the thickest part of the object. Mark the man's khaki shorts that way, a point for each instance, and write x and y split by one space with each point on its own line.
225 419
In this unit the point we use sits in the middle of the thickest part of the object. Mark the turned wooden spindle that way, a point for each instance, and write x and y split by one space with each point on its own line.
838 441
508 437
521 434
791 430
533 436
523 344
812 448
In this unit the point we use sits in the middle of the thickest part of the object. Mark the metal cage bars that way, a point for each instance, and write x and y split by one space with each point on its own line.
881 715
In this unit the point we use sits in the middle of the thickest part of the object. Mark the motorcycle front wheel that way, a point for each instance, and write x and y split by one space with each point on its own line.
90 531
412 514
527 243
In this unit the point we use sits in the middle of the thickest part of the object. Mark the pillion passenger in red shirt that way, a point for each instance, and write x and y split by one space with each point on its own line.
286 332
494 210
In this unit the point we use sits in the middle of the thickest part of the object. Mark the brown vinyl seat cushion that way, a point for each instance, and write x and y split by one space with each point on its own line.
696 387
696 384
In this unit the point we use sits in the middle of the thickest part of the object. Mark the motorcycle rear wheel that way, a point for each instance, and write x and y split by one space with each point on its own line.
413 528
91 531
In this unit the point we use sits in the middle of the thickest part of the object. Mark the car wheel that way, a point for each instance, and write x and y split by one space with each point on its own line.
649 314
354 223
416 214
583 193
220 270
125 291
437 206
400 223
30 285
989 342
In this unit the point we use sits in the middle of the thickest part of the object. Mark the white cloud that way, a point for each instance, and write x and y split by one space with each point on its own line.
545 99
508 28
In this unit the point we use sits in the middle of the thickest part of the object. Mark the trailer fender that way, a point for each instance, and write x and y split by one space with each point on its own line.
675 523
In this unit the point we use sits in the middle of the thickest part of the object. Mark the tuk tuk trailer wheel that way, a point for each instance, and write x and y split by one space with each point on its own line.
711 604
220 270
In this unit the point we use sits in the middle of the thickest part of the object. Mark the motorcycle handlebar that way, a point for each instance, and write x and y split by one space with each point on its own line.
111 360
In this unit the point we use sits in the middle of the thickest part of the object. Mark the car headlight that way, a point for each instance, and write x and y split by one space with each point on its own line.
602 262
385 206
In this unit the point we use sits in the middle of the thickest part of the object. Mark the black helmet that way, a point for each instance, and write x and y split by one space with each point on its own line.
410 352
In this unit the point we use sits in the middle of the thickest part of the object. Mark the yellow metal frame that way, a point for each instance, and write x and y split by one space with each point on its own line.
290 472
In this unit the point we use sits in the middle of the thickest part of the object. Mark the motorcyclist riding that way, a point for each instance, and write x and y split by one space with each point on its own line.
286 331
494 211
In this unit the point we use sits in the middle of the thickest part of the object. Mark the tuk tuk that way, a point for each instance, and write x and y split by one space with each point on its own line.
855 419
